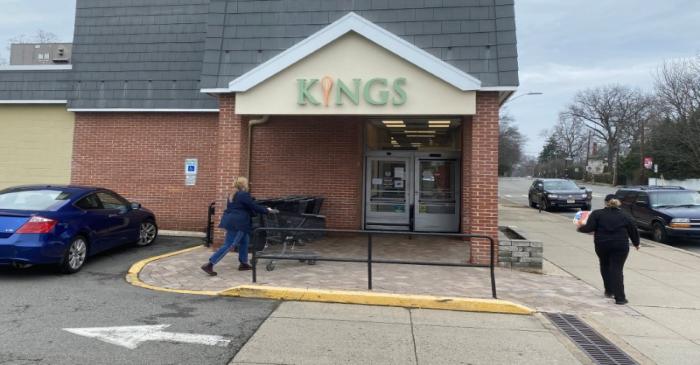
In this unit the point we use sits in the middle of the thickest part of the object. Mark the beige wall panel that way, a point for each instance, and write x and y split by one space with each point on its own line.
36 144
353 56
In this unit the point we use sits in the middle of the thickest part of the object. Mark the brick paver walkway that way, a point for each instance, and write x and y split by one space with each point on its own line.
559 292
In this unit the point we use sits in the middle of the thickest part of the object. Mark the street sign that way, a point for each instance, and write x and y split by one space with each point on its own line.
133 336
648 163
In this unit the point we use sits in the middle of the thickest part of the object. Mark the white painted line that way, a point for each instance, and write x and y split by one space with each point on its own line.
133 336
524 195
508 196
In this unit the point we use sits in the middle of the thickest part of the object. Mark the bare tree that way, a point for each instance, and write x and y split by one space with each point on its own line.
572 137
675 138
611 112
510 145
678 87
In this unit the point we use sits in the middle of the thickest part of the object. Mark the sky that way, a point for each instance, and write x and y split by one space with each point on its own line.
564 46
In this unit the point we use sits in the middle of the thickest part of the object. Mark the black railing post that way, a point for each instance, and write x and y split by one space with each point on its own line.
491 267
254 260
369 261
210 224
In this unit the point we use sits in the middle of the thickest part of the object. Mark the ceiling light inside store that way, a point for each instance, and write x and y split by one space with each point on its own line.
419 132
394 123
419 136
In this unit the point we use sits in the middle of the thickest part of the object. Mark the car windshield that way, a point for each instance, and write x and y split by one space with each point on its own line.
675 199
42 200
560 185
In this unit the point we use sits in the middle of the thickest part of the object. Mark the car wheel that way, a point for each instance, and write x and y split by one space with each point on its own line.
76 253
148 231
659 233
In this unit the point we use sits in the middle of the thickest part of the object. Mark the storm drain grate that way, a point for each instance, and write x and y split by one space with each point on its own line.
598 348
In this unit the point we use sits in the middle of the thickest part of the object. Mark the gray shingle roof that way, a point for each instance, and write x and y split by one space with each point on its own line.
140 54
152 54
35 85
476 36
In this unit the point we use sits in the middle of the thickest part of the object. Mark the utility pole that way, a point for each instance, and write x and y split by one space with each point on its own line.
641 155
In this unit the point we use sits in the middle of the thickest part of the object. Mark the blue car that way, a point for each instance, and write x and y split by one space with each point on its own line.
65 224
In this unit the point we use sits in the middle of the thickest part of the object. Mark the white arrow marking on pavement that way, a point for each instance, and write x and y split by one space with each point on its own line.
132 336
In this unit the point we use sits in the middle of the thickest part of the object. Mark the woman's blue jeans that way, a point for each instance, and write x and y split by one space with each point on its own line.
238 239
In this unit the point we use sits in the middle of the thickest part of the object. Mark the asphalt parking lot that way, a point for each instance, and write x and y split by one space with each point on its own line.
37 305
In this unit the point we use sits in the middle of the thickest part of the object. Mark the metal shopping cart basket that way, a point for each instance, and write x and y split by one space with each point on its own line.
287 242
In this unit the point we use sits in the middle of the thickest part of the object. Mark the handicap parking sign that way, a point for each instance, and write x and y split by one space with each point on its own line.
191 166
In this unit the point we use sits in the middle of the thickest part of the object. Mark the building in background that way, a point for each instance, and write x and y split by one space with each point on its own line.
389 110
40 53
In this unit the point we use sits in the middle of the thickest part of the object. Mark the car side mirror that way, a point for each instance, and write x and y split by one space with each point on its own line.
582 187
135 206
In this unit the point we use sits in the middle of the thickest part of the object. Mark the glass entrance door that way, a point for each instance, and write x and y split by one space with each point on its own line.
388 193
436 195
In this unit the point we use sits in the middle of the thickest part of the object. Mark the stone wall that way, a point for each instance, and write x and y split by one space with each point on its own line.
517 252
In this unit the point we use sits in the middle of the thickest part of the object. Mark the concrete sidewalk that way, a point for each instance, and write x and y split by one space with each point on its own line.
662 285
315 333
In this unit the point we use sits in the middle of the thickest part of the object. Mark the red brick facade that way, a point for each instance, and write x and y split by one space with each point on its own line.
142 156
480 174
312 156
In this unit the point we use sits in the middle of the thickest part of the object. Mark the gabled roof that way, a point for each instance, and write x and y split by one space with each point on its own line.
354 23
476 37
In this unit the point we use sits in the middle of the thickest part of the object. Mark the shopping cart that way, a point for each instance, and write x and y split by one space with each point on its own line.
286 243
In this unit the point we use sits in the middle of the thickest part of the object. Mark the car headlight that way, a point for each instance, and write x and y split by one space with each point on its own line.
553 196
584 196
680 220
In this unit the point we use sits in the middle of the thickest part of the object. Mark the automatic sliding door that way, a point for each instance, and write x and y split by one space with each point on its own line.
436 207
387 193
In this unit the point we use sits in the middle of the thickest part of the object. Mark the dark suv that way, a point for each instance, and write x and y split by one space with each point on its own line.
665 211
558 193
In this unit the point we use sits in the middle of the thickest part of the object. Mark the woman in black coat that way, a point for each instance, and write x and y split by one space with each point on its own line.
237 221
613 230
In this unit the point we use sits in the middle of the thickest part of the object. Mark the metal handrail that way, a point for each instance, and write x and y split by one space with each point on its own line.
369 260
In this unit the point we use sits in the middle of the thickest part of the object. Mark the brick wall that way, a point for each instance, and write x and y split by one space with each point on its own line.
480 174
142 156
315 155
231 151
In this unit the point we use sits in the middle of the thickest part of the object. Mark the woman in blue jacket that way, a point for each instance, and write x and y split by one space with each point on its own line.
237 222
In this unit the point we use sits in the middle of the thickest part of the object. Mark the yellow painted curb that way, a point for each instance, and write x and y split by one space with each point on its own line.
382 299
336 296
132 276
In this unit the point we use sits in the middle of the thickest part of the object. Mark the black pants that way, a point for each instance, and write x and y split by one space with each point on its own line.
612 259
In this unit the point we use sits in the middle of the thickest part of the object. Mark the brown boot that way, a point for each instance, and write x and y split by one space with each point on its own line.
244 267
209 269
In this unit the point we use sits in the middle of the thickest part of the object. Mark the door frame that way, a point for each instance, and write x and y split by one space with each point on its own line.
456 180
413 157
388 155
